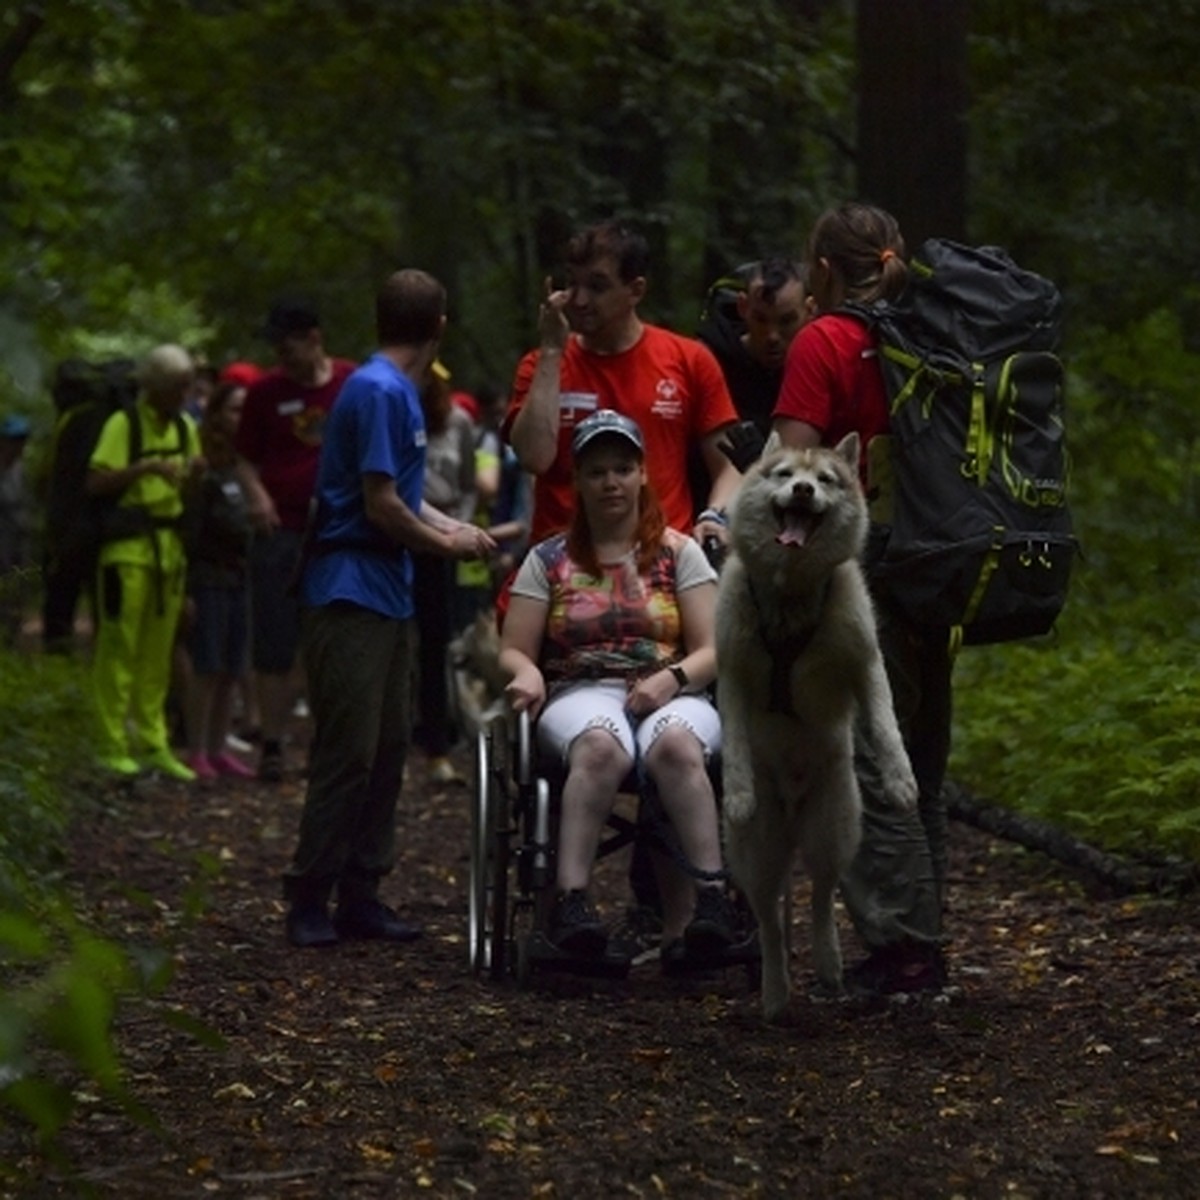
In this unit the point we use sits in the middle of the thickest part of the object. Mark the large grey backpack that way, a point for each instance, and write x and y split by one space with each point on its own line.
972 530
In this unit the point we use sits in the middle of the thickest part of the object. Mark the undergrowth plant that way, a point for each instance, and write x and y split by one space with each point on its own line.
1097 734
1097 727
60 982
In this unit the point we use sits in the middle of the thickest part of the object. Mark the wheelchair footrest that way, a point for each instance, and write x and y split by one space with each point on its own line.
546 956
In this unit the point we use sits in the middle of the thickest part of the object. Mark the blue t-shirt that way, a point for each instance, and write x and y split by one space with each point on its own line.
375 427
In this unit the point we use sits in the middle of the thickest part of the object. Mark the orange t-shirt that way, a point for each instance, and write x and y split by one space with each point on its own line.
670 385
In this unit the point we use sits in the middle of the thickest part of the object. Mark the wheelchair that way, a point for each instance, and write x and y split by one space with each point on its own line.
514 835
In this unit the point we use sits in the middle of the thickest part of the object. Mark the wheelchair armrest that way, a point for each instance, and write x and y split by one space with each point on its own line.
524 764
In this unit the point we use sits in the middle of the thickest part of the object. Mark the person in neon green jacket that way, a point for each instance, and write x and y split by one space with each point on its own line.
140 587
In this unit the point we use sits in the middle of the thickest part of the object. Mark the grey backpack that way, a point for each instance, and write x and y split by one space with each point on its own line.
971 524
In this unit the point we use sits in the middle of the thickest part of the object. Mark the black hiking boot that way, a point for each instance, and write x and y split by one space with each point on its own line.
575 926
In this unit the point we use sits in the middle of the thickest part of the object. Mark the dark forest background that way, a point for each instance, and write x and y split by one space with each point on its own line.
169 166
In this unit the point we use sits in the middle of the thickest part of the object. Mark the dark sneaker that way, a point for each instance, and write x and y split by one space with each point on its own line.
270 765
371 920
575 926
673 957
639 934
710 931
309 925
903 969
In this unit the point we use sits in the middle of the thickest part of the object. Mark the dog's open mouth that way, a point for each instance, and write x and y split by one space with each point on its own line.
796 526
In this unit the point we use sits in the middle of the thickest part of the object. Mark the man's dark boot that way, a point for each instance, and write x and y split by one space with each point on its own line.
308 922
364 917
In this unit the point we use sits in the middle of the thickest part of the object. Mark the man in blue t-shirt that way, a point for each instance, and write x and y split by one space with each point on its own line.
358 635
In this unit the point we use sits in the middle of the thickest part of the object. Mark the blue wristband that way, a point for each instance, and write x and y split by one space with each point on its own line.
716 515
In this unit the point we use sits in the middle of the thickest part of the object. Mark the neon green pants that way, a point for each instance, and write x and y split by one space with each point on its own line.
131 669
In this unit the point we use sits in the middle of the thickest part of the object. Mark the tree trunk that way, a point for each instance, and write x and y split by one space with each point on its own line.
912 116
28 23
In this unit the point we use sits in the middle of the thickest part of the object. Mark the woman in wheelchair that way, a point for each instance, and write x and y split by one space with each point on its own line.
618 612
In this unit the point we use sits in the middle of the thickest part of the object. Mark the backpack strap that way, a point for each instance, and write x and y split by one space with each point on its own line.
136 450
134 520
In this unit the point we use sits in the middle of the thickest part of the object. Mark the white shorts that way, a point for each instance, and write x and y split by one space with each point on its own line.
601 705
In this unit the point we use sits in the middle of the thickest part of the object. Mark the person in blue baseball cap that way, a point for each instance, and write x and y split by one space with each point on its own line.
15 428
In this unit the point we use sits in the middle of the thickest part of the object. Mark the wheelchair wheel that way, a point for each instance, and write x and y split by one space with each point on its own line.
488 900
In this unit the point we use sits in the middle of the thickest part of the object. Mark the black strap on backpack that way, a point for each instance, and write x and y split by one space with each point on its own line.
121 521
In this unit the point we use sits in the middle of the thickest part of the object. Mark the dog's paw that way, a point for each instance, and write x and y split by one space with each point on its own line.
900 790
775 1003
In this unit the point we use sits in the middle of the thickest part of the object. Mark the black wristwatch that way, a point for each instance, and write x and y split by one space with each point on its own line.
681 676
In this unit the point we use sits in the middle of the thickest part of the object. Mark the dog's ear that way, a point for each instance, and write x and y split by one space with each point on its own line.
847 450
773 443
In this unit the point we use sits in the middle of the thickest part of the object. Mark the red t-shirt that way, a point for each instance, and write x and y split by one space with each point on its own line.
280 434
832 381
670 385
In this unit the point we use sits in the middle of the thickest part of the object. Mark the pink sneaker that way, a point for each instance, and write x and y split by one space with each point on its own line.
201 764
227 764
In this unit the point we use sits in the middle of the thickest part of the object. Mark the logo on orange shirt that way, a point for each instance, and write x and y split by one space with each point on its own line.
668 402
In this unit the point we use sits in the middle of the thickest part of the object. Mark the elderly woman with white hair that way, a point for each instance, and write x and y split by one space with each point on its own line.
142 462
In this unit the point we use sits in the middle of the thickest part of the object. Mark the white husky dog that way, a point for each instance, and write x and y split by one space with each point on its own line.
798 661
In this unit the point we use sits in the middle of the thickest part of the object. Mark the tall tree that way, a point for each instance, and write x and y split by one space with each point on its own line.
912 113
1086 116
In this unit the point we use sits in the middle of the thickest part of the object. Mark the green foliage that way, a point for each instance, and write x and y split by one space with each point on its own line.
1084 732
1082 126
1097 728
168 186
209 168
46 740
61 983
57 1006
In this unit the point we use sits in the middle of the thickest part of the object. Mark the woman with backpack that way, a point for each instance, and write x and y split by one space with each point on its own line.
146 458
832 386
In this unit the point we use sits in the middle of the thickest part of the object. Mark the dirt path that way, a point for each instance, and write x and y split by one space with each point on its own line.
1062 1064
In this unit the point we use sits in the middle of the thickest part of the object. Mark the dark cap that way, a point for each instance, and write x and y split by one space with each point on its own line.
289 316
605 422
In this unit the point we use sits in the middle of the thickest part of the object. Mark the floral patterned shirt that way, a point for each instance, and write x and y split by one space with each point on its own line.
621 625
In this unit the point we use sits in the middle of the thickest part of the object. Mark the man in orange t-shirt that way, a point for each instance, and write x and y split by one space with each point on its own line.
596 352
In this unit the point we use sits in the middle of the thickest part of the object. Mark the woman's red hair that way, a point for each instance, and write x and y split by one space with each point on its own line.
647 537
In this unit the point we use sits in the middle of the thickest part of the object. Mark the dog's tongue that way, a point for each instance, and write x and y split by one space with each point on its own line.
796 528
